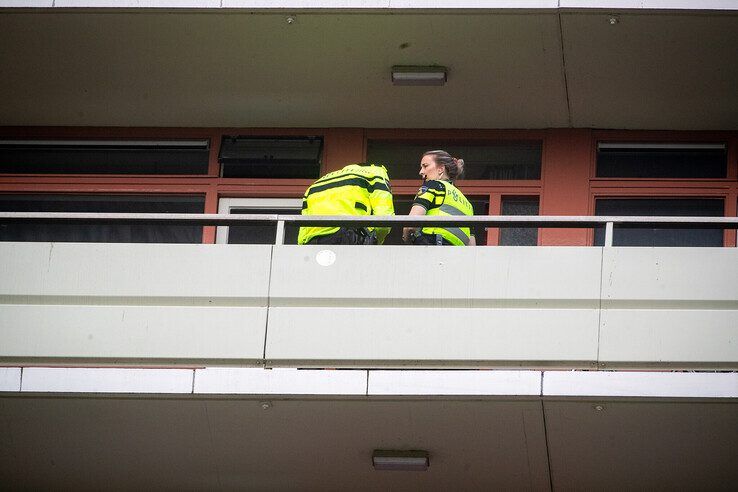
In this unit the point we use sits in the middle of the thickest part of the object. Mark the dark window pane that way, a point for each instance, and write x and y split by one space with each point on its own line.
279 157
661 207
90 157
404 203
481 207
504 160
519 236
262 233
661 161
113 233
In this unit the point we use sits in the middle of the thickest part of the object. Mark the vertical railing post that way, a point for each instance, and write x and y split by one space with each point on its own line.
608 234
279 240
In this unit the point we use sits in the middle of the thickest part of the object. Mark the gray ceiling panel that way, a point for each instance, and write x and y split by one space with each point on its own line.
232 443
188 444
650 70
239 69
641 445
668 71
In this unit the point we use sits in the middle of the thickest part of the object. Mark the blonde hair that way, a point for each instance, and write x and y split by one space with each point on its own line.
454 167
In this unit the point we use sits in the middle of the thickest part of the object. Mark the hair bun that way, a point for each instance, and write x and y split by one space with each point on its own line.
460 166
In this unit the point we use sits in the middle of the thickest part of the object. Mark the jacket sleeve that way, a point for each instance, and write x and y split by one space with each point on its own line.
430 195
381 201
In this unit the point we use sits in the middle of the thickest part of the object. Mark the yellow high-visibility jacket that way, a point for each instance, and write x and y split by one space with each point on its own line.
443 198
357 189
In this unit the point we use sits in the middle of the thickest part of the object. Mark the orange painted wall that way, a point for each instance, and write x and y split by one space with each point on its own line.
342 146
567 164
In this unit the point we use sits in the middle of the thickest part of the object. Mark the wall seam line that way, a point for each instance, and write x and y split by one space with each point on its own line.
268 304
540 392
545 435
563 69
599 311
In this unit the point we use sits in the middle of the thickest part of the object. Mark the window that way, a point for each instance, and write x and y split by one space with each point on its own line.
278 157
519 236
661 160
261 233
110 233
155 157
488 161
660 207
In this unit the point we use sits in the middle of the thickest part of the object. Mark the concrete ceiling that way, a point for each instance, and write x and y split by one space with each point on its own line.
114 443
512 69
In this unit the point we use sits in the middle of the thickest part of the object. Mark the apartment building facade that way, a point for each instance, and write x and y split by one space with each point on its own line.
171 355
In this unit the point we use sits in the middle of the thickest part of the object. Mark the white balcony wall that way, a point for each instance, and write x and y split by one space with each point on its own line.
433 306
151 303
675 306
292 306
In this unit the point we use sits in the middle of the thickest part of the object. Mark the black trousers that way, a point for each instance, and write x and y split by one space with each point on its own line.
346 236
431 240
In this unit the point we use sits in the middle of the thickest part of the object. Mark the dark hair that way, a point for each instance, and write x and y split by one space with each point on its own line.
454 167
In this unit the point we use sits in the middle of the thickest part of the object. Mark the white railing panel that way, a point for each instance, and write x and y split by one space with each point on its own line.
432 276
392 306
133 303
132 334
93 270
10 378
382 337
670 306
384 306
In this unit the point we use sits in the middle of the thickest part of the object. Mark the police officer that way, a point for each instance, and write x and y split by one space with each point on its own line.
438 196
357 189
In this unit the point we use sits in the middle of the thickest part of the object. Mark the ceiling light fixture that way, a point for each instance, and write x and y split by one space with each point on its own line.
396 460
418 75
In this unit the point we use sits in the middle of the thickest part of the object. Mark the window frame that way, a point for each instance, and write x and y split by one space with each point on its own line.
111 140
654 144
226 205
725 188
566 153
114 191
286 136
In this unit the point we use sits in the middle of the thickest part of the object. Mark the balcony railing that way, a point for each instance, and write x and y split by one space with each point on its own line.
301 306
281 221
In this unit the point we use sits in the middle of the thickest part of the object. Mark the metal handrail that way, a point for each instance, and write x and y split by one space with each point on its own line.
544 221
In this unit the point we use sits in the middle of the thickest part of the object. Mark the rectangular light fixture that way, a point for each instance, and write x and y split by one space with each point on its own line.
398 460
418 75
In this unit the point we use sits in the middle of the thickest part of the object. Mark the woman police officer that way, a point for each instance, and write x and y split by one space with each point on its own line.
438 197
